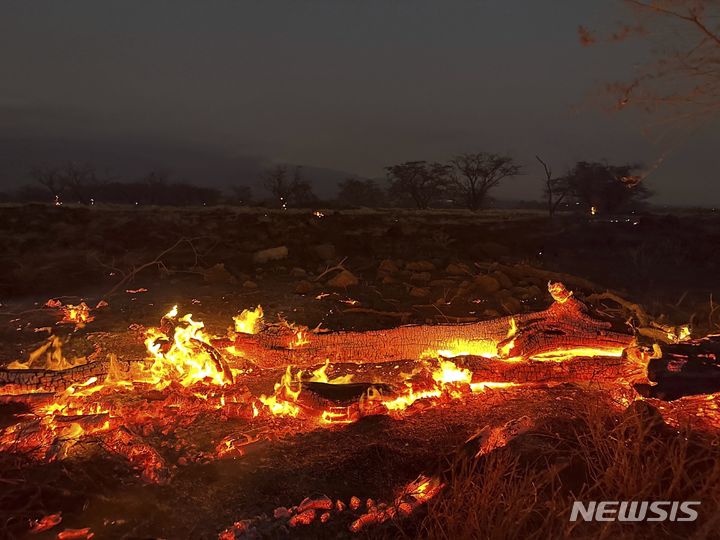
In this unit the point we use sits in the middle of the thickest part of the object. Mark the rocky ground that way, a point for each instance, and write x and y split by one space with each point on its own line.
420 265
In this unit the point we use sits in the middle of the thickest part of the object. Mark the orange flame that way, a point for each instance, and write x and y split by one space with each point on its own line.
250 321
185 358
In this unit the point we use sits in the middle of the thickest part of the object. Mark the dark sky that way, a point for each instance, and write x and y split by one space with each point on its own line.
351 85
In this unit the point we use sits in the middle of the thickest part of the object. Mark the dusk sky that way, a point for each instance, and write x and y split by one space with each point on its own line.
346 85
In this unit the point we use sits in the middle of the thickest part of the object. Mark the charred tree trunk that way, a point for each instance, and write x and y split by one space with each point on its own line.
18 381
564 326
599 369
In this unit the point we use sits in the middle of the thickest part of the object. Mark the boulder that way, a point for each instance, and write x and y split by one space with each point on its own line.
420 276
511 304
303 287
218 274
457 269
419 292
420 266
343 279
487 284
271 254
503 278
387 266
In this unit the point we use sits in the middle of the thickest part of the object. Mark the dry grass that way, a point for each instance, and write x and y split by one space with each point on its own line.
526 490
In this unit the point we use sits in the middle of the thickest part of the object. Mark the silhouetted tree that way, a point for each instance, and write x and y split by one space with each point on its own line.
606 188
301 193
51 179
556 188
285 192
356 192
476 174
155 186
79 181
424 182
276 181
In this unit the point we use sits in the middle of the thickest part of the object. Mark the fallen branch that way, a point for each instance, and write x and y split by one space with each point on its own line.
565 325
339 266
156 262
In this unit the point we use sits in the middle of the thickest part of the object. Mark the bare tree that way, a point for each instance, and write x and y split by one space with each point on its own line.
684 74
288 193
301 193
422 181
51 179
555 188
155 185
275 180
476 174
79 181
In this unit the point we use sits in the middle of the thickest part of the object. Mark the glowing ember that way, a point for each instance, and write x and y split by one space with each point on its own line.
562 355
559 293
459 347
478 347
78 315
449 373
299 339
45 523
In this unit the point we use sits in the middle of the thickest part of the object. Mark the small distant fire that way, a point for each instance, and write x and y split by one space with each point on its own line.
78 315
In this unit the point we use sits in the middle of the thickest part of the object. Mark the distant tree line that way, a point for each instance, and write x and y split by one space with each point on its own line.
465 181
82 184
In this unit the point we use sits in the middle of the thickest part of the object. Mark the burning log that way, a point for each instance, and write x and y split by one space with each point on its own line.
630 369
34 380
565 326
